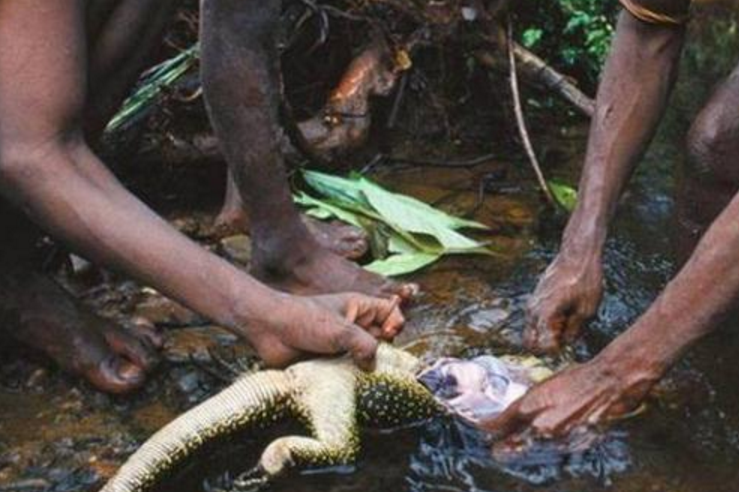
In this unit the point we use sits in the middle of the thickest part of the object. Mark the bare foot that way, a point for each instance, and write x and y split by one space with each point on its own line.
38 312
297 263
343 239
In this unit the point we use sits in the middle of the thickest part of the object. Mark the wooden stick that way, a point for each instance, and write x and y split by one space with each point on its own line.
520 120
539 70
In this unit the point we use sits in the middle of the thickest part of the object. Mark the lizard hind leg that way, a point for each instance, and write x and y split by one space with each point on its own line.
325 399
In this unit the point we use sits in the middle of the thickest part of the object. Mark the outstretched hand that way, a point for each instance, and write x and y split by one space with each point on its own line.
329 324
566 297
581 398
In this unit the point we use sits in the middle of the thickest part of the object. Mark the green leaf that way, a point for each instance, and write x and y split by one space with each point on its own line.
414 216
319 213
402 264
337 188
396 244
530 37
415 206
413 233
565 195
155 81
323 210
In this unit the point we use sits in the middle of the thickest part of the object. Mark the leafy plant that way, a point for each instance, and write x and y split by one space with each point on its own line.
406 234
153 83
574 34
565 195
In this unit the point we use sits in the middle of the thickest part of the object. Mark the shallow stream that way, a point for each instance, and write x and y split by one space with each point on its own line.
57 435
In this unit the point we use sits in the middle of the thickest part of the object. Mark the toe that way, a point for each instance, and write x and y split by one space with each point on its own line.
138 350
116 375
149 331
406 291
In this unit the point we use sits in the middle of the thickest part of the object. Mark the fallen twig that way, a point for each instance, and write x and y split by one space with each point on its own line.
539 72
520 120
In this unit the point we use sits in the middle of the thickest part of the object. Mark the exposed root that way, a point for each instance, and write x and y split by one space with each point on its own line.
345 121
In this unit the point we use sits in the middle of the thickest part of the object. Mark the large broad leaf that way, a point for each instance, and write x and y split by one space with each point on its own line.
397 244
417 207
342 189
323 210
413 233
402 264
414 216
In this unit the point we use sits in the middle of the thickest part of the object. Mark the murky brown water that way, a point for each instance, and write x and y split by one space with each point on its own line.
57 435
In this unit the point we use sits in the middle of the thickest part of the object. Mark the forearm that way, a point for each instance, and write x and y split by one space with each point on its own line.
633 94
79 201
690 306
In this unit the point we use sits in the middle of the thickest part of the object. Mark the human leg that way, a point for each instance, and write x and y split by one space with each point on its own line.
242 88
711 175
36 311
47 170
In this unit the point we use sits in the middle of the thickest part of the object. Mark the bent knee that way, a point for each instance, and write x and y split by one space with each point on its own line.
712 146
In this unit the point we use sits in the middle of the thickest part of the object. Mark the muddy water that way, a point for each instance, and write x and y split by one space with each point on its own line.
58 435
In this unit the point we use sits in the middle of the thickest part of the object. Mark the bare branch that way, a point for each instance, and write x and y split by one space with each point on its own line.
520 120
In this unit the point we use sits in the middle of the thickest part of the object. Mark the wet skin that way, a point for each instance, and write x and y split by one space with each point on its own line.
70 66
638 78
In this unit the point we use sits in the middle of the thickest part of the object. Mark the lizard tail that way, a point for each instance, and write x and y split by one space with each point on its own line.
255 399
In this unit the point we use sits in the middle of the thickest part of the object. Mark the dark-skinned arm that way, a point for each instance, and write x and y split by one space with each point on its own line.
637 81
620 377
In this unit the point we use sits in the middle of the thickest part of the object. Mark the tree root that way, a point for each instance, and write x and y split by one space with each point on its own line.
345 121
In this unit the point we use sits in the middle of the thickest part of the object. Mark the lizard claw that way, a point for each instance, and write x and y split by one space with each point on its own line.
250 481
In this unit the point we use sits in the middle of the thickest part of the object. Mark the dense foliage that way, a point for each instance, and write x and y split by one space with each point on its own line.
572 34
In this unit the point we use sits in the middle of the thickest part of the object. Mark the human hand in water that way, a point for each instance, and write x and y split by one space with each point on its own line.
329 324
571 404
567 296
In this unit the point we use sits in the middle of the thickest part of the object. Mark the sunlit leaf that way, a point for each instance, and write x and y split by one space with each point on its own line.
154 83
415 216
335 187
413 233
323 210
402 264
565 195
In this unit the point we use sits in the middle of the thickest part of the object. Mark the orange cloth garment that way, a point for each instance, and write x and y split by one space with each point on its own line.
671 12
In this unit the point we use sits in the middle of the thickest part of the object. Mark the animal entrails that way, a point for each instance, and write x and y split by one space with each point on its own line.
332 397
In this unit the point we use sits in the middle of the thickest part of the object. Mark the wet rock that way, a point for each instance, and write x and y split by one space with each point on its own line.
188 226
165 312
196 344
237 248
192 383
85 273
103 469
488 319
37 379
188 382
